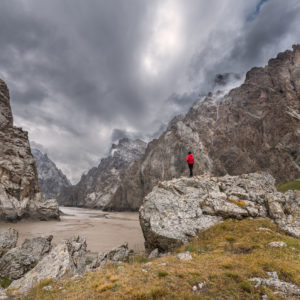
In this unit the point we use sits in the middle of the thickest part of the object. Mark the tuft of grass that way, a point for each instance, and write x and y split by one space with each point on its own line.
4 282
137 258
162 274
105 287
292 185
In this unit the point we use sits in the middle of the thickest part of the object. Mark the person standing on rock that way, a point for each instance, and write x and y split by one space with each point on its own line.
190 161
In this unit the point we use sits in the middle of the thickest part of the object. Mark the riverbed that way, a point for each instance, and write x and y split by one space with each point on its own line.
102 230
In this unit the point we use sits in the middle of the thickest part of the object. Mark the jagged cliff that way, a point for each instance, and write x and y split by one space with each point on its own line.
255 127
51 179
96 188
20 194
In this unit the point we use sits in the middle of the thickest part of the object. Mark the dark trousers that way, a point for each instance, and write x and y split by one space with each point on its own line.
191 169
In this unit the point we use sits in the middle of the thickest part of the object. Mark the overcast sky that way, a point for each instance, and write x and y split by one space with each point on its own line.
83 72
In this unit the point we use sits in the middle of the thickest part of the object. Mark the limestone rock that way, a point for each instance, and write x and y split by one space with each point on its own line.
3 295
65 260
96 188
17 261
177 210
154 253
51 179
118 254
20 195
254 127
277 244
8 239
185 256
273 282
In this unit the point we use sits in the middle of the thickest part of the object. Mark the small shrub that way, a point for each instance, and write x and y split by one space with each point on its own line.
158 293
162 274
230 239
246 286
235 277
4 282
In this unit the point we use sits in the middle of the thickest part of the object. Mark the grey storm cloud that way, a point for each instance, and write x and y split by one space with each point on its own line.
84 73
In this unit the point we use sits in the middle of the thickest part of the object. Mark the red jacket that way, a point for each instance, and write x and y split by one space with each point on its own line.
190 159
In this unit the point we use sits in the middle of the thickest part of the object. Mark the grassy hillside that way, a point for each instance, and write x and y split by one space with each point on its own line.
224 257
292 185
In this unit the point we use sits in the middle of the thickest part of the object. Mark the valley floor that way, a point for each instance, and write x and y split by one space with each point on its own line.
224 258
102 230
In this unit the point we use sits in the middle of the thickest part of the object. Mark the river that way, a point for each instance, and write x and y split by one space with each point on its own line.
102 230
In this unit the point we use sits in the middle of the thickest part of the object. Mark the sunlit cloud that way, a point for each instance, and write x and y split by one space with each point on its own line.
165 43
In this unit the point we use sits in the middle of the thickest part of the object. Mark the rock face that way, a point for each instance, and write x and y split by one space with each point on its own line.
51 179
177 210
65 260
97 187
255 127
17 261
20 194
8 240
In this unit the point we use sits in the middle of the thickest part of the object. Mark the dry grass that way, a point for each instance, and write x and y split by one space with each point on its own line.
292 185
225 257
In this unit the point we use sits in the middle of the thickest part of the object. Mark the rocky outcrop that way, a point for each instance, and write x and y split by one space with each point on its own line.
176 210
96 188
118 254
8 240
65 260
20 194
254 127
284 288
51 179
18 261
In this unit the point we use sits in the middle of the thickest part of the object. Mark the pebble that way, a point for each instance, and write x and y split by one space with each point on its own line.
185 256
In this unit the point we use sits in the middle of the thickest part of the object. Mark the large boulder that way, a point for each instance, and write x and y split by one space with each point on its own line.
177 210
8 239
20 195
65 260
17 261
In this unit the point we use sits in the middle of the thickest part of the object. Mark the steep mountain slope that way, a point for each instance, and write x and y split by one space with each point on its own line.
254 127
20 194
96 188
51 179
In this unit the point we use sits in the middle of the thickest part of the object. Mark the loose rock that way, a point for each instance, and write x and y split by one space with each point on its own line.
185 256
277 244
154 253
118 254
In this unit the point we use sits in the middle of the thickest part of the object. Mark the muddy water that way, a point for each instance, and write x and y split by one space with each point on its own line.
102 230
